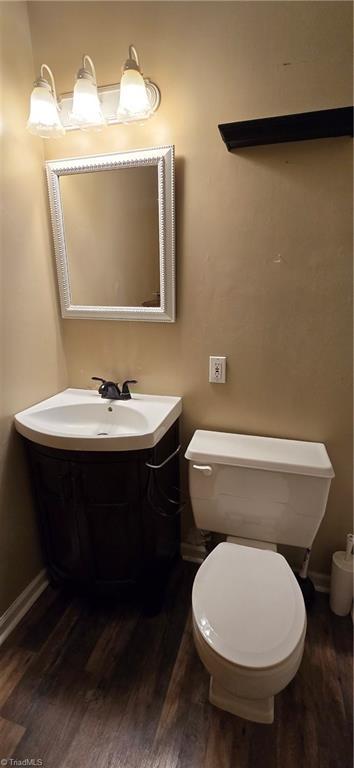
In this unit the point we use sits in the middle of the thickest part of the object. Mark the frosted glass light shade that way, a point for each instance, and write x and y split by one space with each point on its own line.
133 98
86 111
44 117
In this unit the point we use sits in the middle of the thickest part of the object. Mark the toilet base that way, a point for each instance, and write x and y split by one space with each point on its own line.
256 710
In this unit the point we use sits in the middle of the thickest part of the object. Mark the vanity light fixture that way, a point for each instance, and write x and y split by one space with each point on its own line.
86 111
133 98
44 119
90 106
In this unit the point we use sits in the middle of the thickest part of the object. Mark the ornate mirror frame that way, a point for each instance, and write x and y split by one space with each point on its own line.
163 158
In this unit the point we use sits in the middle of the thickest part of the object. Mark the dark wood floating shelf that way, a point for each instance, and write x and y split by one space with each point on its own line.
299 127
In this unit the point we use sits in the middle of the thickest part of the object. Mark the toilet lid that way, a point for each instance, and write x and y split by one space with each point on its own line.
248 605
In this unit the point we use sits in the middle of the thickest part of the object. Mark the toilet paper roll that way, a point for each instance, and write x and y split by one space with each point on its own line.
341 596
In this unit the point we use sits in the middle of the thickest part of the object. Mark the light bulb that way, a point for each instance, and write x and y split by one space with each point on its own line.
133 98
86 111
44 119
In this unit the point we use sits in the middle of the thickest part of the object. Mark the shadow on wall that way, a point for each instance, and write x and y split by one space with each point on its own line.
19 532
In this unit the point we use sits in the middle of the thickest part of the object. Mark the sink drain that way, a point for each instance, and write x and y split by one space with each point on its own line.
102 433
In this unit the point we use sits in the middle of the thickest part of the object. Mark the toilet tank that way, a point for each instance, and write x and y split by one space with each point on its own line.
262 488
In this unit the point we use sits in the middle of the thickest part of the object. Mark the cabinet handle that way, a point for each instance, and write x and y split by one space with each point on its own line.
205 468
158 466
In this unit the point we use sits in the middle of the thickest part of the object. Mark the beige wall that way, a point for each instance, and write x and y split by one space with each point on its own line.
32 364
264 238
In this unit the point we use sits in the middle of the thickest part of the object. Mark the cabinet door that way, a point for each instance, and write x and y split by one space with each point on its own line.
54 493
109 513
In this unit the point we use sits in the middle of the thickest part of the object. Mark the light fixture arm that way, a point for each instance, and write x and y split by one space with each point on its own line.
87 58
51 76
133 54
132 61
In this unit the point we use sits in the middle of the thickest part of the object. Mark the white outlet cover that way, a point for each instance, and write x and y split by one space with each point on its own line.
217 369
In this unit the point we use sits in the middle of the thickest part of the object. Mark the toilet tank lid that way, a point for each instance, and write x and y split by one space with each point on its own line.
269 453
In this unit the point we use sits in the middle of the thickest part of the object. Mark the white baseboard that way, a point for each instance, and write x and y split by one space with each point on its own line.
22 604
196 553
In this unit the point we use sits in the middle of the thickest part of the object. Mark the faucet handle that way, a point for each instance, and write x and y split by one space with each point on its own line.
125 389
106 387
102 386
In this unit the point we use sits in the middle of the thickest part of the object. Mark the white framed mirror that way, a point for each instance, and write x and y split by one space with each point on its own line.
114 234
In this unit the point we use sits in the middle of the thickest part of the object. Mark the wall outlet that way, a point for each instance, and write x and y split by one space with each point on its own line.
217 370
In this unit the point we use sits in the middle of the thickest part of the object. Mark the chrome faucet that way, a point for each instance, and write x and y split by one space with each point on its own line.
110 390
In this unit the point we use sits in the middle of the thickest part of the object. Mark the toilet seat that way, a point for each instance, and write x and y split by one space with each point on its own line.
248 606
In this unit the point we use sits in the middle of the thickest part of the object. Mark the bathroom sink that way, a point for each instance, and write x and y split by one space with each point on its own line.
79 419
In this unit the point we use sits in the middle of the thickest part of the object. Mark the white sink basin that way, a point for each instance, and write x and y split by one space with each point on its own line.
80 420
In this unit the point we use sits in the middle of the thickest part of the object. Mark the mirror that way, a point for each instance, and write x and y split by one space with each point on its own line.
113 230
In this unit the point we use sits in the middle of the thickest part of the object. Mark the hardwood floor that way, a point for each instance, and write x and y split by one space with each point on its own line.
106 687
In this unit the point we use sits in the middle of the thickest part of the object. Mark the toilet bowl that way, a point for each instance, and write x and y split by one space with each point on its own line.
249 626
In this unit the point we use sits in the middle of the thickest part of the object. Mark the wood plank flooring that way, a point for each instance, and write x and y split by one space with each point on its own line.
105 687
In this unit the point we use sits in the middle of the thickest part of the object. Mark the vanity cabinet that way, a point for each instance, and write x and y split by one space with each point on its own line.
107 521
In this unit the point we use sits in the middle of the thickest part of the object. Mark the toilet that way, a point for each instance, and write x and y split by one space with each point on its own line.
249 617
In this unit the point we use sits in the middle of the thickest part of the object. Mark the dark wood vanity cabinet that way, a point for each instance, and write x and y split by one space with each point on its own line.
107 521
